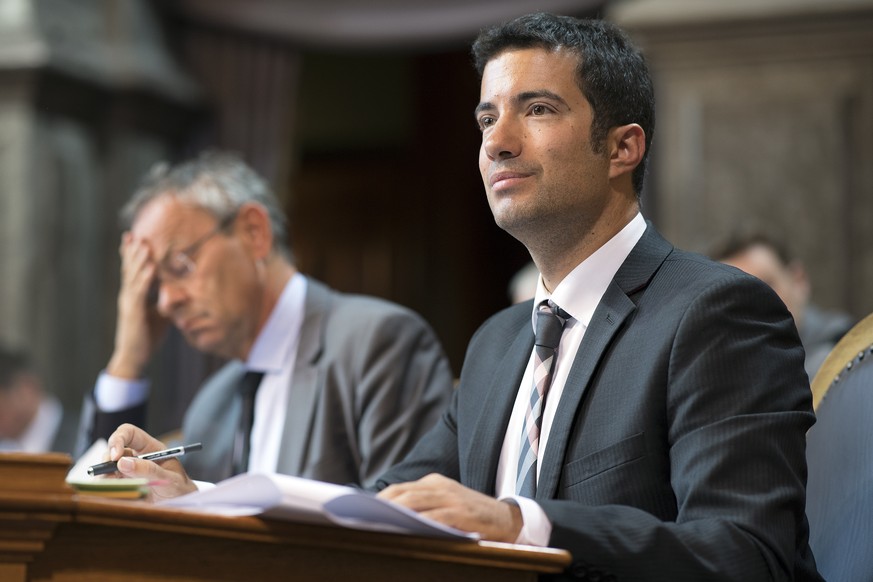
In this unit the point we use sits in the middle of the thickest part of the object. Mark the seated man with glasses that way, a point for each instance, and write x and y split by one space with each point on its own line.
347 384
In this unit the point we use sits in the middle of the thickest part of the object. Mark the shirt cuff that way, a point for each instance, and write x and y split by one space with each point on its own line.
536 529
112 394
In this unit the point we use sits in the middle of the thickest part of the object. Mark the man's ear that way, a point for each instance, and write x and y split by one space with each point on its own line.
627 147
253 222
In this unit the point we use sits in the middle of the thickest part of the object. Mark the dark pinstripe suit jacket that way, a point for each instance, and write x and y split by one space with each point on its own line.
677 450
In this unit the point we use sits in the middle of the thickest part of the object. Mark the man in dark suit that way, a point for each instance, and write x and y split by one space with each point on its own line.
671 442
348 383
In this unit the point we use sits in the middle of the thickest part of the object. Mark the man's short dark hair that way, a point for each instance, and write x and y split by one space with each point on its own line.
612 73
742 239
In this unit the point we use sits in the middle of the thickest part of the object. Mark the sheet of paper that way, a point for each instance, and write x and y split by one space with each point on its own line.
309 501
92 456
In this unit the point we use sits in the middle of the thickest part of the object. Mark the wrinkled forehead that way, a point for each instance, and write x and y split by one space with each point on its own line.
167 222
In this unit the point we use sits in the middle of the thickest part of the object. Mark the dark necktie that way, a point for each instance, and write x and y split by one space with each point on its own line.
550 326
247 389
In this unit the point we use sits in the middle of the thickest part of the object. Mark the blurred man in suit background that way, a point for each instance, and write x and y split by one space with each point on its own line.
768 259
343 385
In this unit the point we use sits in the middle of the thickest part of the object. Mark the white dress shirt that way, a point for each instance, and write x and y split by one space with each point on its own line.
578 294
273 353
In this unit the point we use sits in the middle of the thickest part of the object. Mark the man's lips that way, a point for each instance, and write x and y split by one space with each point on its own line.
188 324
506 179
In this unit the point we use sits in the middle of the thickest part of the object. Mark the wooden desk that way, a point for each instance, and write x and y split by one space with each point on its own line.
49 533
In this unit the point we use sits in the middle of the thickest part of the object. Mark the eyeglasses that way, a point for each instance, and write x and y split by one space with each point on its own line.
180 264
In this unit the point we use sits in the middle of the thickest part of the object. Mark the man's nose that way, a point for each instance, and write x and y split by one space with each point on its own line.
169 295
503 139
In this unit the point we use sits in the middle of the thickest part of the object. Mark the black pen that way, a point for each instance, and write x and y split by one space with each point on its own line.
112 466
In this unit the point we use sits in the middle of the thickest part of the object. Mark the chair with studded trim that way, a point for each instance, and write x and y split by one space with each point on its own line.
839 502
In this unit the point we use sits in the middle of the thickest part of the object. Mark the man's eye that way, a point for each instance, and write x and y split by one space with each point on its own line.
539 110
485 122
178 266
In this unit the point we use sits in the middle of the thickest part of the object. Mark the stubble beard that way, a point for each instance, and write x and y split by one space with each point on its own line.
539 230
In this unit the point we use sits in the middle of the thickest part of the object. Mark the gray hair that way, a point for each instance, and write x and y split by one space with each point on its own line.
218 182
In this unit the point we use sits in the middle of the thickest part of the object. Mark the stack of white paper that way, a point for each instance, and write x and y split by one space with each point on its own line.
309 501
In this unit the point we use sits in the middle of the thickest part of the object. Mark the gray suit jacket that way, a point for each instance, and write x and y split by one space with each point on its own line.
677 450
370 378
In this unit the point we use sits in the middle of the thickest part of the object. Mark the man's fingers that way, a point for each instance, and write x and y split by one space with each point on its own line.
128 436
138 468
448 502
431 481
167 479
168 470
415 499
428 493
137 265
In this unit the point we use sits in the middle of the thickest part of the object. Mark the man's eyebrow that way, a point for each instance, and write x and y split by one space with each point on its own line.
522 98
539 94
484 106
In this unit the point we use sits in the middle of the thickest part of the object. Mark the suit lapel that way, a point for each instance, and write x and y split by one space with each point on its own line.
607 320
495 411
306 380
612 311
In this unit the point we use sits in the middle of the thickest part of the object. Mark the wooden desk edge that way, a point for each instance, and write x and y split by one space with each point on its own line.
142 515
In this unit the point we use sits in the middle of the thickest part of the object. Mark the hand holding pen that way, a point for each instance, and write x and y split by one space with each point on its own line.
112 466
167 471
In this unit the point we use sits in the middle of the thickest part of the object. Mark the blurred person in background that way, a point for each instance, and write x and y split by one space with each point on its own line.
31 419
344 384
770 261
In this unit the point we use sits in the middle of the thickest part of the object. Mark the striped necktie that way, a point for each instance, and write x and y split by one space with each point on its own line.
550 321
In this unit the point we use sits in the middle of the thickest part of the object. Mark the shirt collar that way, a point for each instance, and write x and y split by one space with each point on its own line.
270 352
580 291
